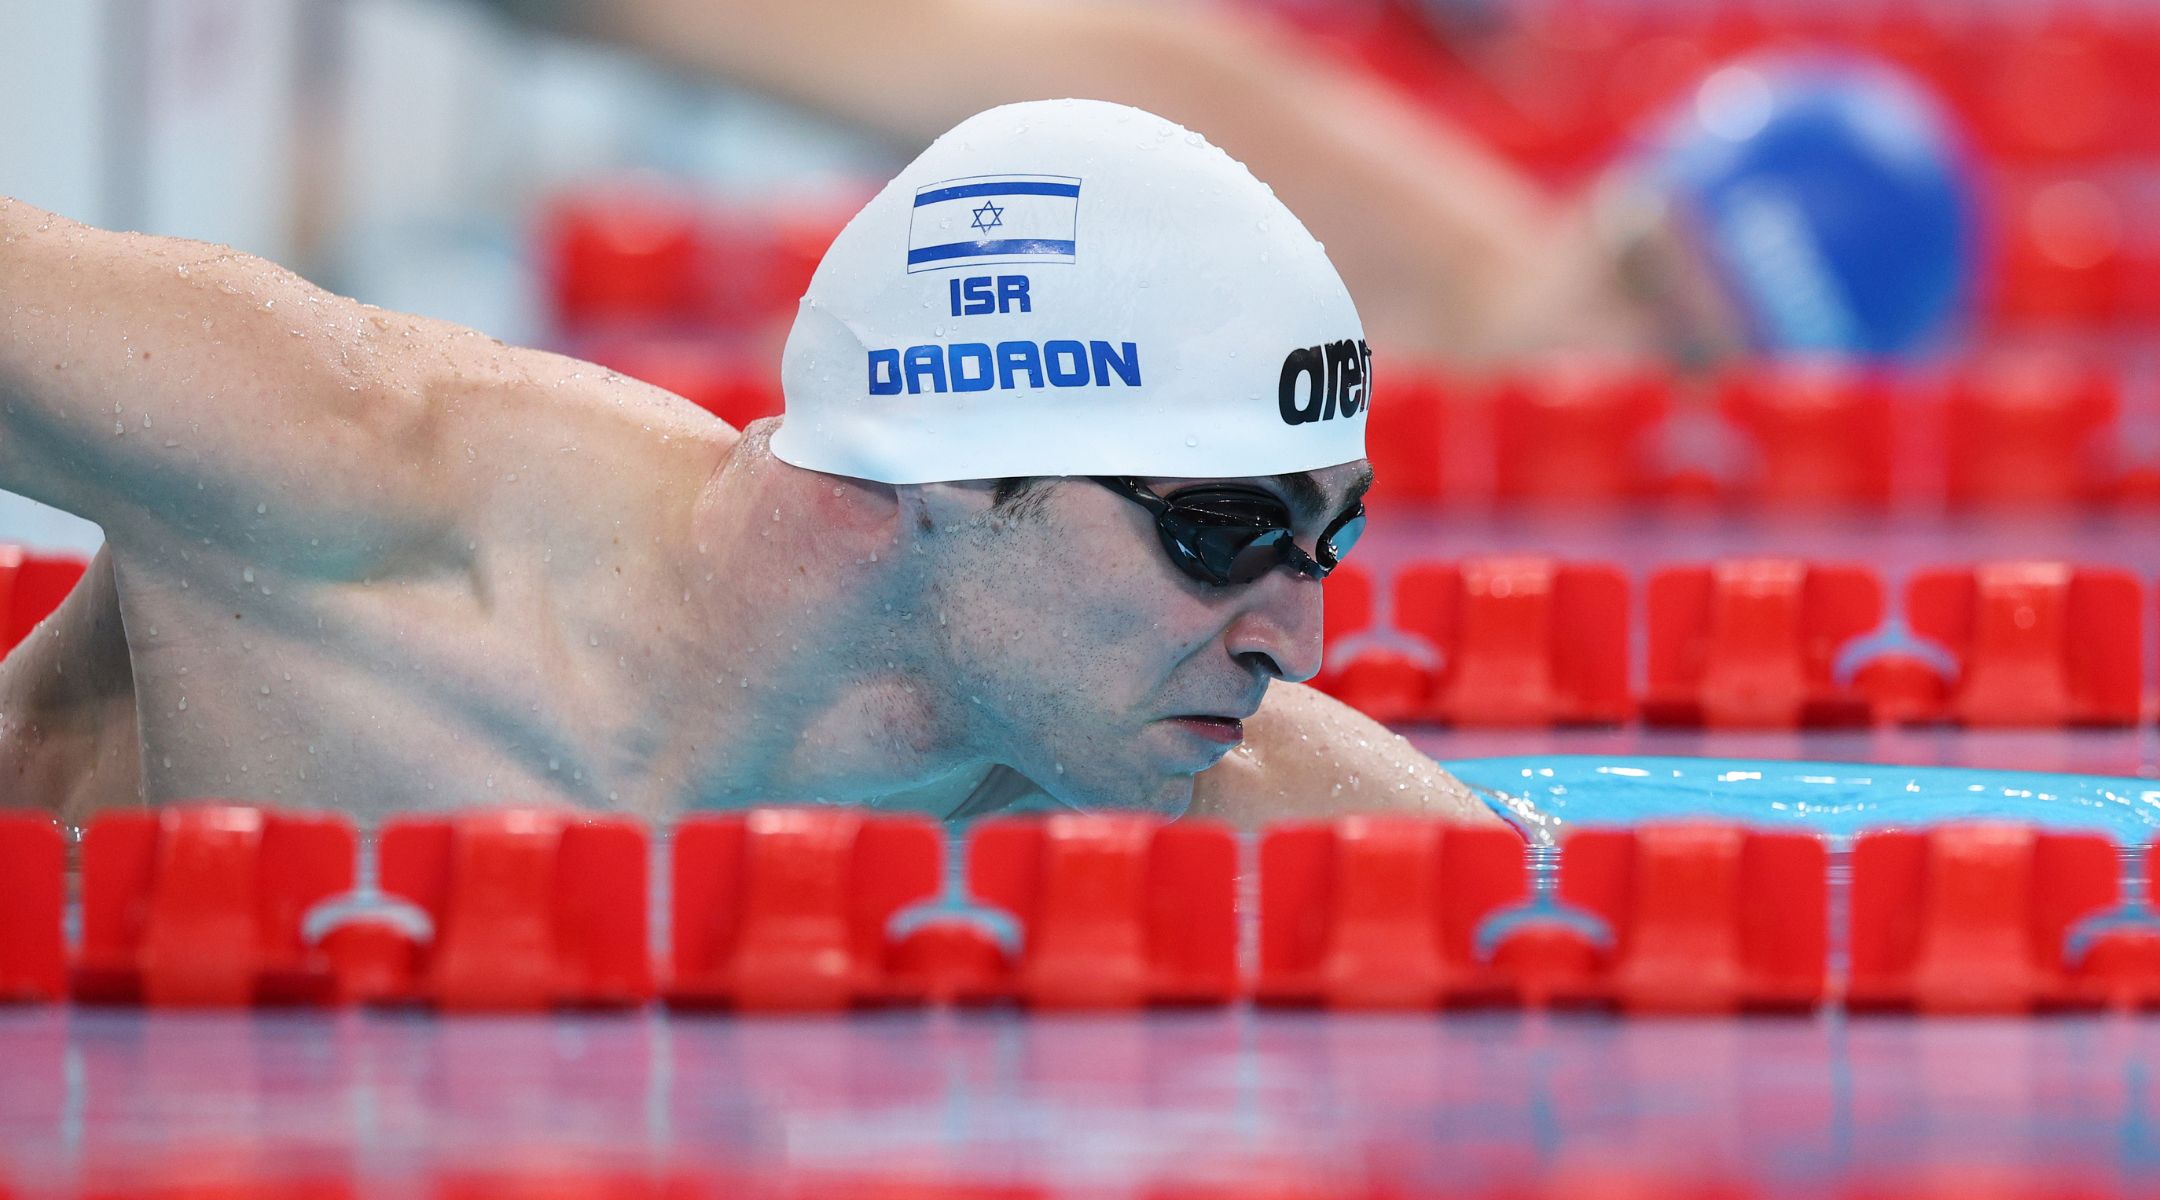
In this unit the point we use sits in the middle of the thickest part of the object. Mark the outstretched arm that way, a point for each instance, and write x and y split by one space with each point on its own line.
167 389
1447 248
1308 755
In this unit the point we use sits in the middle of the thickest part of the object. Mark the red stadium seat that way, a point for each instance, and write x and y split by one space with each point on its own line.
1971 918
2037 644
1575 433
530 909
787 909
2031 430
33 897
1382 912
1752 643
1705 918
1821 432
31 587
1523 641
2066 253
634 253
203 904
2059 92
1115 910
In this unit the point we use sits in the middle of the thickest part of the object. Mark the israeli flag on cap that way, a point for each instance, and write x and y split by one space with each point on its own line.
988 220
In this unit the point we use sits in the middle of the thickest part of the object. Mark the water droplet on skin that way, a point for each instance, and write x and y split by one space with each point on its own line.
1060 767
1192 441
266 689
183 704
592 639
247 574
554 765
262 510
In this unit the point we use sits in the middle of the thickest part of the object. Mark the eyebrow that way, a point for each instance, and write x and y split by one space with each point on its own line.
1310 501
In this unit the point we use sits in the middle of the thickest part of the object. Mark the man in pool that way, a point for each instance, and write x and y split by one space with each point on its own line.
1075 424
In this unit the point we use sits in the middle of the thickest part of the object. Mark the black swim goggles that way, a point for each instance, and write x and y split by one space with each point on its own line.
1223 534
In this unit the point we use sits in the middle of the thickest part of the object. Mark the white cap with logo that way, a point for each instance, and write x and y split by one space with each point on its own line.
1069 287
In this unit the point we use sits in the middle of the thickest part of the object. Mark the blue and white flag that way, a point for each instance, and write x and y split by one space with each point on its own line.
991 220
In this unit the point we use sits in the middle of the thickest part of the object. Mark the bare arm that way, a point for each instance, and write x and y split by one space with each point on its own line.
166 388
1446 248
1308 755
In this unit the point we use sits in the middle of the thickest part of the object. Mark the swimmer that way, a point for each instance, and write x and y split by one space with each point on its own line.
1074 431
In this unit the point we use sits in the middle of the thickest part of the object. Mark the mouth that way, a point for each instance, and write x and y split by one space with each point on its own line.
1227 731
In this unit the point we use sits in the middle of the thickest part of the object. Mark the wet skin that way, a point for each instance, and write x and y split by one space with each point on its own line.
375 562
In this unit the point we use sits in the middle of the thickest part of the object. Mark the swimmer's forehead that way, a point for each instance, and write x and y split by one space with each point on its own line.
1313 495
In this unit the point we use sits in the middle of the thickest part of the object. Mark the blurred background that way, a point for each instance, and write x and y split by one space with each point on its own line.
1567 372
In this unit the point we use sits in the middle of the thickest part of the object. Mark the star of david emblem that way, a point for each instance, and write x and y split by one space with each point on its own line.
988 217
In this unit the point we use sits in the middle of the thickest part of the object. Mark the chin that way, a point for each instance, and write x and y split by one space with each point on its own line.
1143 792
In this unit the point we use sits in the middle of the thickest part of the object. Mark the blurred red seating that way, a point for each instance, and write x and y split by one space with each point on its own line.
2060 91
727 382
1574 432
2037 644
530 909
1115 910
203 905
1971 918
1703 918
31 587
33 897
1382 912
1522 641
2064 256
2030 430
634 252
787 909
1821 432
1752 643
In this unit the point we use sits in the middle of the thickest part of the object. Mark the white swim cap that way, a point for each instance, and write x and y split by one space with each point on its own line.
1069 287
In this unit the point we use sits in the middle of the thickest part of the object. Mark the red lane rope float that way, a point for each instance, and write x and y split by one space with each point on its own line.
33 900
203 904
1753 643
1116 911
31 587
800 910
788 910
530 910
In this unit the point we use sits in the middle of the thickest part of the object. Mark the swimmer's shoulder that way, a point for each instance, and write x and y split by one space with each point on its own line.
533 437
1307 755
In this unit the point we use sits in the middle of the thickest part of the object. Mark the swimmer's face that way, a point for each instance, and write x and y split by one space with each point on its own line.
1089 662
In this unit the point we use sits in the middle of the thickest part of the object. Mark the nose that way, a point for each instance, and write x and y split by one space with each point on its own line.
1278 630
